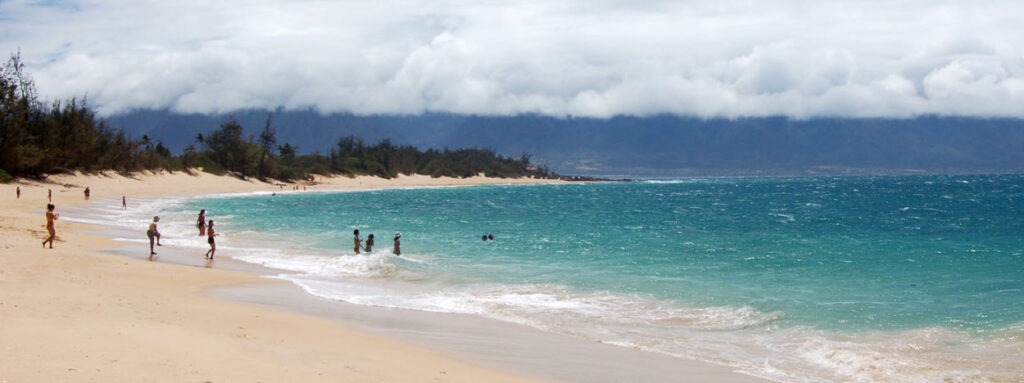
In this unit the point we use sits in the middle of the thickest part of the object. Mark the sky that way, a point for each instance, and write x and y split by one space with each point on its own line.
594 58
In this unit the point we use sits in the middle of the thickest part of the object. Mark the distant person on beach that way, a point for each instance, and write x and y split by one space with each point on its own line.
19 192
86 193
356 240
201 222
209 239
153 233
369 243
50 217
49 195
397 250
124 203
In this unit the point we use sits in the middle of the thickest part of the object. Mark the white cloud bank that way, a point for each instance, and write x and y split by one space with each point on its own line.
585 58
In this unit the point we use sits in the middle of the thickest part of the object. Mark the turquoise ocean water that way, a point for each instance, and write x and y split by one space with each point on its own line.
899 279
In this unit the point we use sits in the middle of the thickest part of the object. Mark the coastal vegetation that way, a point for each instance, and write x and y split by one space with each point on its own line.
64 136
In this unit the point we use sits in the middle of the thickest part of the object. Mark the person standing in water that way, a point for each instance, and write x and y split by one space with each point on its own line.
50 217
209 239
153 233
124 203
369 243
356 240
397 250
201 222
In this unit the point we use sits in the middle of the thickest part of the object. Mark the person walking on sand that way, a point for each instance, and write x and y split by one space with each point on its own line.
153 233
356 240
124 203
50 217
369 243
86 193
49 195
19 192
209 239
397 250
201 222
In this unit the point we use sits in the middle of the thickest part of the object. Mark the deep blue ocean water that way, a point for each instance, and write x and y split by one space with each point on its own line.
914 278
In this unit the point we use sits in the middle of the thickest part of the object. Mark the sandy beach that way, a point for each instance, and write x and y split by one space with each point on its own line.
80 312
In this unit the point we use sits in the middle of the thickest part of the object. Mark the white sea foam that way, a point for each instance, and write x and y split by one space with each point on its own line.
374 265
742 337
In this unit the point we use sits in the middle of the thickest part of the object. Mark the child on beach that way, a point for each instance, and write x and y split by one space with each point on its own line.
356 240
201 222
50 217
209 239
397 250
153 233
369 243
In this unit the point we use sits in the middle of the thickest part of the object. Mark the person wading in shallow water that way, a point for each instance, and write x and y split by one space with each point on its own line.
50 217
369 243
201 222
356 240
397 250
153 233
209 239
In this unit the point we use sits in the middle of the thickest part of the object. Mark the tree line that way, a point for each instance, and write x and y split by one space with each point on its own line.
38 139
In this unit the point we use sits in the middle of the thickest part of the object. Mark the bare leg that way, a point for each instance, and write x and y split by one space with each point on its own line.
53 234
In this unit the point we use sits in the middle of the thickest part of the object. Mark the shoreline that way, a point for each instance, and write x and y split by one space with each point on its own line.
486 356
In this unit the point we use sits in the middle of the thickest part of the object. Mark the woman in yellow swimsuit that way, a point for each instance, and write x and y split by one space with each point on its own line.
50 217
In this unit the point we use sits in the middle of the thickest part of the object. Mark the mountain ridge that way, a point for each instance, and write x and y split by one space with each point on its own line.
660 145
